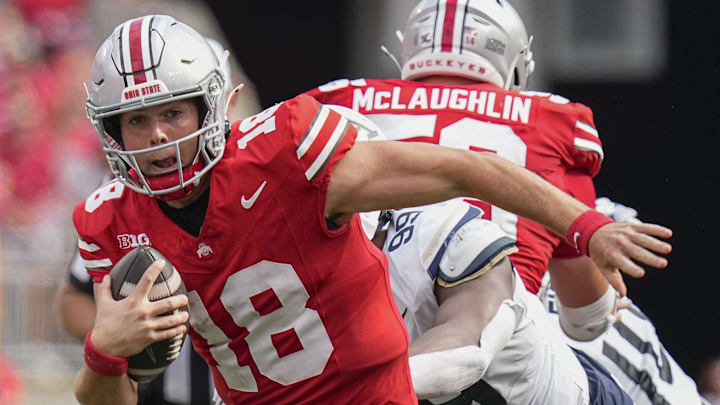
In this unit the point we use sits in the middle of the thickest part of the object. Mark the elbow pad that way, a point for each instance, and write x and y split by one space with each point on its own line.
590 321
450 371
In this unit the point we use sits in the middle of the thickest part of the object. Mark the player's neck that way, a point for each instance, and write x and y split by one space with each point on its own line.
194 194
449 80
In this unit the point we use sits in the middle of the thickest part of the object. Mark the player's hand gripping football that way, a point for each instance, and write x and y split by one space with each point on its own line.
614 246
125 327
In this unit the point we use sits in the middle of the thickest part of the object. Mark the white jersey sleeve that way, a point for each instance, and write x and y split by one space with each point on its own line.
631 350
415 245
423 243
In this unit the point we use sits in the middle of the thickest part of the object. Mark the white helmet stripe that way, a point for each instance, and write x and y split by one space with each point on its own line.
145 42
125 46
135 43
459 25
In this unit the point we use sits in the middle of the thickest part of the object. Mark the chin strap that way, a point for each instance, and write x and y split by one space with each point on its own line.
170 180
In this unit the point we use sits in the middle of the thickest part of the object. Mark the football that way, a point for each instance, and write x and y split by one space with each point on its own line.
155 358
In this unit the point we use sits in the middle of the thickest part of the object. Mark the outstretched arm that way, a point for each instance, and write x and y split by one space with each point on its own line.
381 175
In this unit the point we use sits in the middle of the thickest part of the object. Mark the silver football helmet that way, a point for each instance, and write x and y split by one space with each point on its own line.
150 61
482 40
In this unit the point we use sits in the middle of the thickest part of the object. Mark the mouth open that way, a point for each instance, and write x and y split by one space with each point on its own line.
165 165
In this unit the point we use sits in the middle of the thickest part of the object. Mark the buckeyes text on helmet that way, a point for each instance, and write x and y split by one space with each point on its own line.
483 40
150 61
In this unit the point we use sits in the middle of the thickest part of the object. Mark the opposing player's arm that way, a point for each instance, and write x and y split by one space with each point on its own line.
465 309
381 175
474 322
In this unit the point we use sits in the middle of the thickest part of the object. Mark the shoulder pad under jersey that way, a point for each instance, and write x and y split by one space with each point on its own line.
471 250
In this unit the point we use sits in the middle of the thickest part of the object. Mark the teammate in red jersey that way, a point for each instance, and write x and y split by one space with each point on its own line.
289 301
465 65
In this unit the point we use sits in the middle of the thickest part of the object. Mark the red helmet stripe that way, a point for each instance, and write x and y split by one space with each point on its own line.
448 25
136 50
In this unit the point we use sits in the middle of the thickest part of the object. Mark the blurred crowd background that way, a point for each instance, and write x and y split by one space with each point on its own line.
649 69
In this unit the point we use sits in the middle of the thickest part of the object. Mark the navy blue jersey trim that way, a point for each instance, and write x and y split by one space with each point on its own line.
604 390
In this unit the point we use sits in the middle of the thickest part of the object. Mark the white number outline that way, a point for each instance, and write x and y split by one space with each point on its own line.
283 280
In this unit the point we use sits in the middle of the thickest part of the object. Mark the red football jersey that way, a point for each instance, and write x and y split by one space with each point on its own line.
284 309
543 132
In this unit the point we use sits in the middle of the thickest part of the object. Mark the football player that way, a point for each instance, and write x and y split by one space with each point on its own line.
187 379
465 65
469 316
631 349
289 300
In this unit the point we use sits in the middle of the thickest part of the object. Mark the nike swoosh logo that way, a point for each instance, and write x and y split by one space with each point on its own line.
404 312
248 203
575 236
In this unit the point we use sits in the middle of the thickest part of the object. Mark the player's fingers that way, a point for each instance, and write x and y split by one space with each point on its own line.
102 290
651 243
170 320
653 229
614 277
629 267
624 303
647 257
148 279
169 333
168 304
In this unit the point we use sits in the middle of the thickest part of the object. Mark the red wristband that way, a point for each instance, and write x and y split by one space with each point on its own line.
102 363
583 228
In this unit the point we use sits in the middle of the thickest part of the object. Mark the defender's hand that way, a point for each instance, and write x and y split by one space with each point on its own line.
614 246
